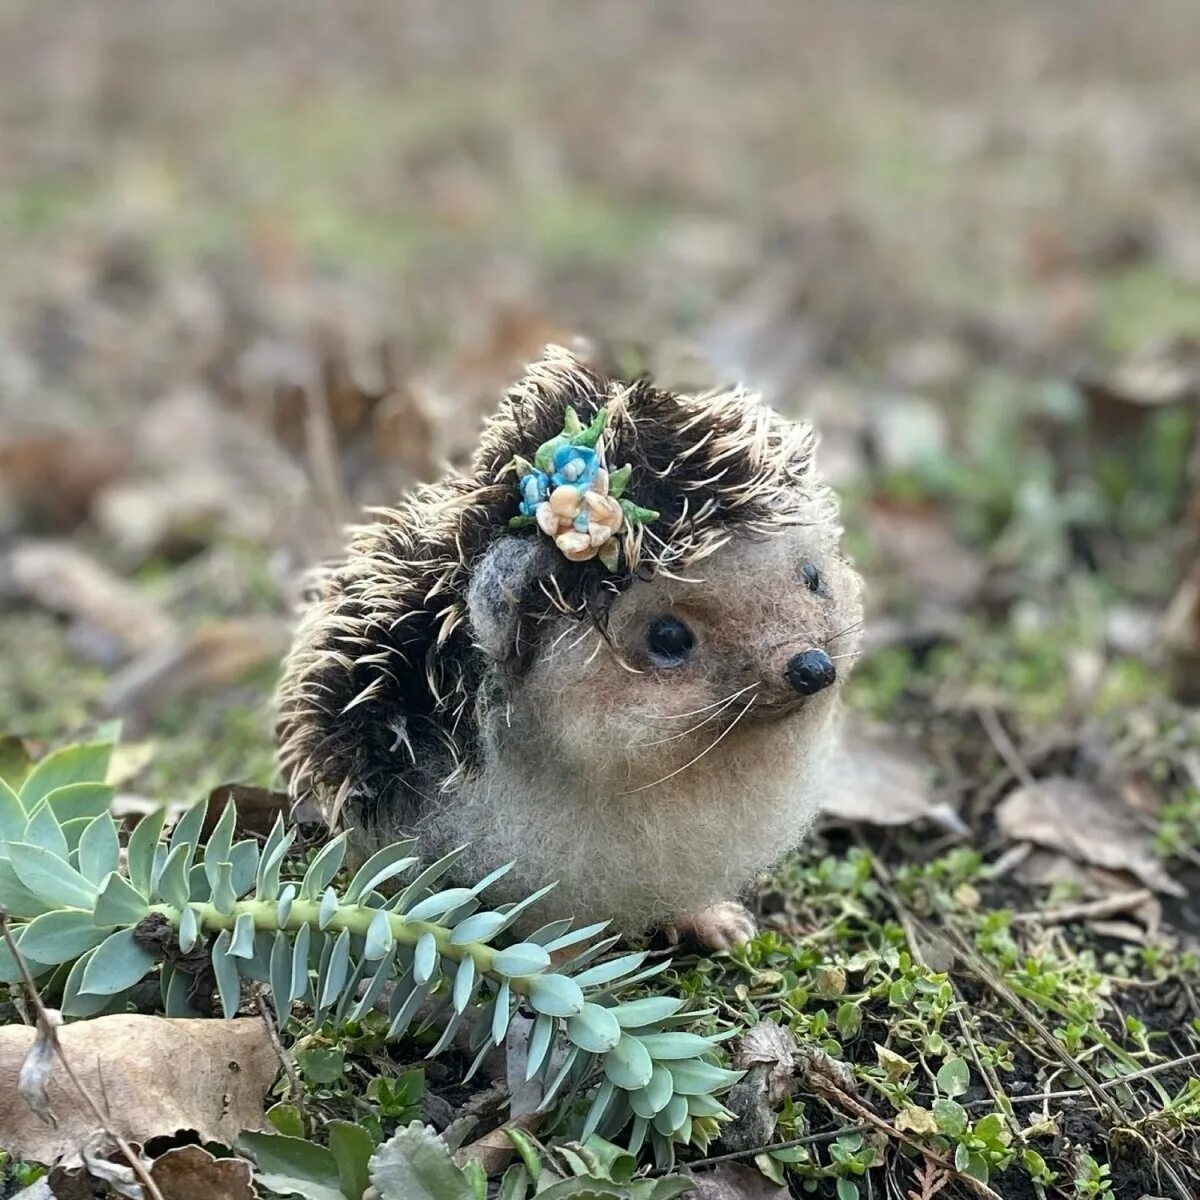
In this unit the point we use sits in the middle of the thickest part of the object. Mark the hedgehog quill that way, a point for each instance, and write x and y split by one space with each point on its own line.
612 651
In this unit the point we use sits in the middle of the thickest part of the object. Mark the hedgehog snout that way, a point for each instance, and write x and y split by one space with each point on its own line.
810 671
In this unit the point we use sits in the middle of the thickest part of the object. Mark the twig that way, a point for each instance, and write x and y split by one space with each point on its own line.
1105 1085
995 983
1086 910
809 1139
1003 744
830 1091
295 1088
46 1029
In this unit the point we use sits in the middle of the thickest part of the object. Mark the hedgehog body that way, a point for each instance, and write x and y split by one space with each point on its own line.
650 733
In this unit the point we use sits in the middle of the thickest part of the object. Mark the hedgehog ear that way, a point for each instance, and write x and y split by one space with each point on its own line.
500 582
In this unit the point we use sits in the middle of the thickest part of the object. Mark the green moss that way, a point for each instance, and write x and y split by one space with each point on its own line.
1146 303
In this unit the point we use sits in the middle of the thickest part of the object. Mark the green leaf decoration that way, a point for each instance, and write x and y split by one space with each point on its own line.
635 514
521 521
591 435
294 1166
51 879
119 903
572 425
117 964
99 849
87 763
618 481
416 1164
75 800
60 936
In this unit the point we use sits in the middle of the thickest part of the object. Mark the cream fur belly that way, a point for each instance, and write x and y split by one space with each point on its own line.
650 857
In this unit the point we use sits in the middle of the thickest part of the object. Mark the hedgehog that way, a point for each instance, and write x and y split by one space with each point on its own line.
610 652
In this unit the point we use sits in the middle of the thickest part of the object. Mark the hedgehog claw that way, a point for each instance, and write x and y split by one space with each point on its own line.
717 928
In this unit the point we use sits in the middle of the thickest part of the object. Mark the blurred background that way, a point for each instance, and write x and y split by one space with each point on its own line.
266 262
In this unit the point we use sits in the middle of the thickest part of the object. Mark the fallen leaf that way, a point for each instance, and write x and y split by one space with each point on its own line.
494 1151
767 1055
213 657
257 809
730 1181
191 1173
915 1119
53 478
1086 824
68 581
156 1075
882 780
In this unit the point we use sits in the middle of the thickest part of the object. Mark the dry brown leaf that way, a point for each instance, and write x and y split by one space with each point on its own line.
67 581
731 1181
208 658
191 1173
53 478
494 1151
882 780
767 1055
153 1075
1088 825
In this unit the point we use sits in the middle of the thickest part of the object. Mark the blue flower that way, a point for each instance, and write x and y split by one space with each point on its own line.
576 465
535 487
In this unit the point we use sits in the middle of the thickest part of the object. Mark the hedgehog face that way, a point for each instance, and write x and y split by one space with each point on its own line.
761 632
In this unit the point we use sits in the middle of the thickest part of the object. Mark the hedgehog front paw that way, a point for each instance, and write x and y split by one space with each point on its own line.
717 928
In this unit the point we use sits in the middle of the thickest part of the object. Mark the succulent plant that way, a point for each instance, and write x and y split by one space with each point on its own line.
81 918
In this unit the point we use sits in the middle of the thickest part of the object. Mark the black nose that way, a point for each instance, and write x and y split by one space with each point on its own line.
810 672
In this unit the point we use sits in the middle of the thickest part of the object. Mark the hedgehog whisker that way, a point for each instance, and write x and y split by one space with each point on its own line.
715 704
711 746
712 716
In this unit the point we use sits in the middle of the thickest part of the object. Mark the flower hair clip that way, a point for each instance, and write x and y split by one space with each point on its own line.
570 495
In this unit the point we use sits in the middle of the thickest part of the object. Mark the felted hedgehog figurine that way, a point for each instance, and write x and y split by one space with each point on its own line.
611 651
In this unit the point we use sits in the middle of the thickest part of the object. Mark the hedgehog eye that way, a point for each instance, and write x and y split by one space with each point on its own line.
669 641
812 576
